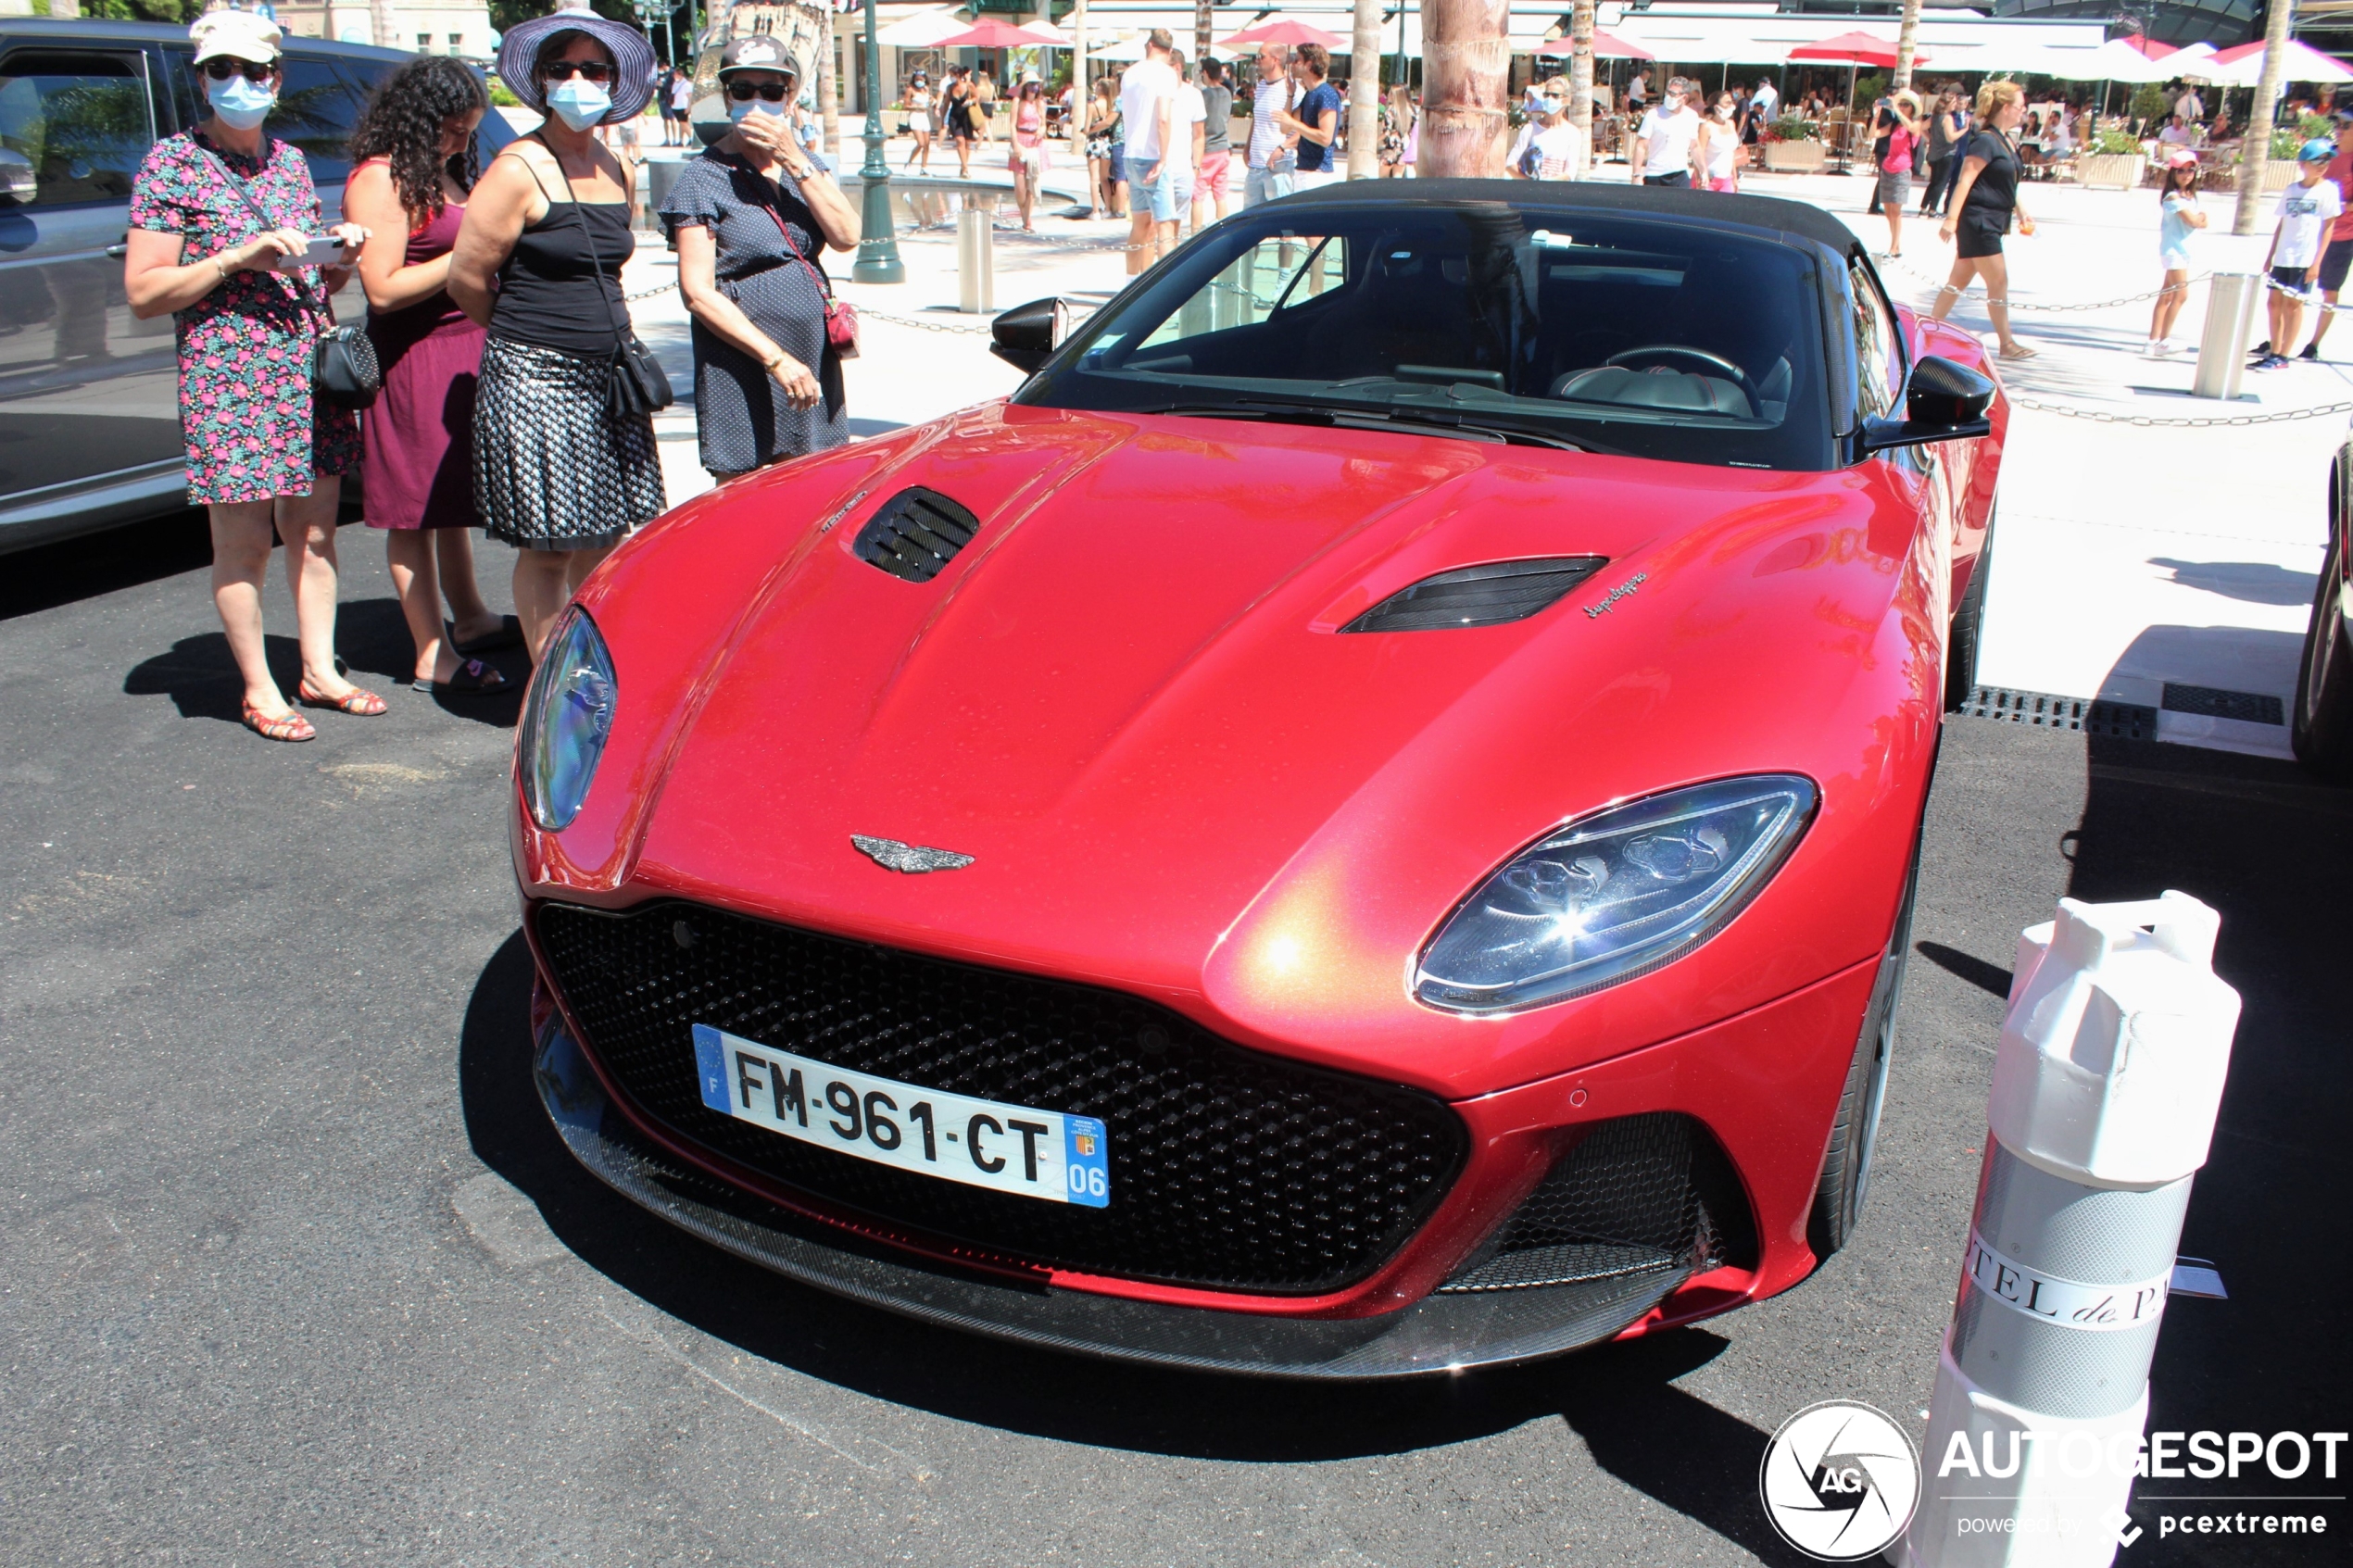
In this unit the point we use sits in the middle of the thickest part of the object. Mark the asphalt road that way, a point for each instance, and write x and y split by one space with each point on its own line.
295 1271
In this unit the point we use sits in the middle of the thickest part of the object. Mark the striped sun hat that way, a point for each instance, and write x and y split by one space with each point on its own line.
633 88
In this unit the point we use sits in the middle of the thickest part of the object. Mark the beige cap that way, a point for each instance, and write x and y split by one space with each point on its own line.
243 35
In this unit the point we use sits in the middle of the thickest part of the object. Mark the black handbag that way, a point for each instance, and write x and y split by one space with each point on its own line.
344 371
638 385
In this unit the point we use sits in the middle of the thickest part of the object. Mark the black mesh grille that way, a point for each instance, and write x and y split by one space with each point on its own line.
1478 596
1636 1194
916 532
1229 1170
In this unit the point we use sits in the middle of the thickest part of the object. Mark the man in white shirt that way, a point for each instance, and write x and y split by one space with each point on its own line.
1146 90
1272 155
1549 145
1182 130
1763 106
1662 142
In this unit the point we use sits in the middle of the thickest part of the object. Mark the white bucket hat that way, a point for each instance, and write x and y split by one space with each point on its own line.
243 35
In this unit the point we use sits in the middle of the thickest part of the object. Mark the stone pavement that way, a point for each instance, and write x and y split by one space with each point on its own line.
2197 543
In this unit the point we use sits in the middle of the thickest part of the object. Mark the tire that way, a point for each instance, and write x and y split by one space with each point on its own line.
1969 620
1846 1163
2322 731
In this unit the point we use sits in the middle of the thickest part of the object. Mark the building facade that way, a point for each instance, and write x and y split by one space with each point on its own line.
429 27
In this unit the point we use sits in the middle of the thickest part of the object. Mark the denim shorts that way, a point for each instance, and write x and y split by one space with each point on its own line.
1172 193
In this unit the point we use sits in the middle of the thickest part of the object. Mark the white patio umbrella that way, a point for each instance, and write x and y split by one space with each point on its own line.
2241 67
923 30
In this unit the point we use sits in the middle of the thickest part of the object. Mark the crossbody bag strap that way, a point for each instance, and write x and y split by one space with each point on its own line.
768 200
229 178
596 258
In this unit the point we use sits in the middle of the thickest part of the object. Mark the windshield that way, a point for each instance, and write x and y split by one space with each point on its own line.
1631 334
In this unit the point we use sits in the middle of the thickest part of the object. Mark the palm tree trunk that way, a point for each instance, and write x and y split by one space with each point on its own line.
2255 148
1203 25
380 23
828 89
1363 94
1580 76
1907 39
1466 61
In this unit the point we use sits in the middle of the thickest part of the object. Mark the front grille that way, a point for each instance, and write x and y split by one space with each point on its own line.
1229 1170
1637 1194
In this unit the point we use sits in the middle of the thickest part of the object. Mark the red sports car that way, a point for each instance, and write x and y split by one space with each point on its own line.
1359 823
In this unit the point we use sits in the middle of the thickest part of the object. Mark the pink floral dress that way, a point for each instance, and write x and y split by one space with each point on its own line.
246 408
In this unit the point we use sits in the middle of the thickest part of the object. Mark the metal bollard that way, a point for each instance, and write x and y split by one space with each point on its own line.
2231 299
975 260
2106 1086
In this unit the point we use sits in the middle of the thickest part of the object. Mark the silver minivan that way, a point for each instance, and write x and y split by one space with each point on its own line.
89 403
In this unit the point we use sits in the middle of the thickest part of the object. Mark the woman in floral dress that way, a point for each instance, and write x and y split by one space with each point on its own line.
262 456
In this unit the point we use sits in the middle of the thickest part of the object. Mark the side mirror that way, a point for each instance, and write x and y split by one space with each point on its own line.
1026 336
1944 401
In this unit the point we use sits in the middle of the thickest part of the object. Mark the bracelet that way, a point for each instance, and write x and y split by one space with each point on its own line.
215 259
769 365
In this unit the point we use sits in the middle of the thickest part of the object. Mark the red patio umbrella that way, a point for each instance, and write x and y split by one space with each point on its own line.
991 33
1606 47
1853 50
2144 44
1283 32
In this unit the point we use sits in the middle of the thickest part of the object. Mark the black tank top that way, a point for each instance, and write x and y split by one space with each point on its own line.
550 294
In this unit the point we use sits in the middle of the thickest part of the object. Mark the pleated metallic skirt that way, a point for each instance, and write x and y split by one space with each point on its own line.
553 470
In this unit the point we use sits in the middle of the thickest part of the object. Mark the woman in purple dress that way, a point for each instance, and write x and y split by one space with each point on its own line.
213 212
413 167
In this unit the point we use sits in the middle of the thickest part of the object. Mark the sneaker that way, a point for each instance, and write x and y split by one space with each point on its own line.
2262 350
2165 348
2312 351
2270 362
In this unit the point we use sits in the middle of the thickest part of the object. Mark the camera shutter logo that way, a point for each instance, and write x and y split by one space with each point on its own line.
1840 1481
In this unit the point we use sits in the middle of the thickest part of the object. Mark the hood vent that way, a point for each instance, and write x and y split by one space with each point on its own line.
1478 596
915 534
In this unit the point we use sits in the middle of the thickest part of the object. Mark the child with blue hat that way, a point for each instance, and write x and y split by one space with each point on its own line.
2307 209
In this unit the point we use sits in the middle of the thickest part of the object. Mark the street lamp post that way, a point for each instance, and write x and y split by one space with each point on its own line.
877 245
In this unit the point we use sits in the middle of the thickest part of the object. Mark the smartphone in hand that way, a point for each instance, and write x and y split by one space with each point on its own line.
324 250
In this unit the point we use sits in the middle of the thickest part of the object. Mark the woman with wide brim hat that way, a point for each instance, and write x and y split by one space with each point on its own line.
752 218
557 473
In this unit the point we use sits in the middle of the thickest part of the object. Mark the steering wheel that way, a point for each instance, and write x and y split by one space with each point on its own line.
1716 365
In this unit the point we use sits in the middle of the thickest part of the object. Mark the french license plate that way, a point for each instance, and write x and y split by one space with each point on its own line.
982 1143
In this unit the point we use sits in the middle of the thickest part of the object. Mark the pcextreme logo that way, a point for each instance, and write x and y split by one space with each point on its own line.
1840 1481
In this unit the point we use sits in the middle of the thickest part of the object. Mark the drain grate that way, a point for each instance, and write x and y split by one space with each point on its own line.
2213 702
2091 716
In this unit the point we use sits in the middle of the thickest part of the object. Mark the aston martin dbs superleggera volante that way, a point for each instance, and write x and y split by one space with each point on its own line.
1359 822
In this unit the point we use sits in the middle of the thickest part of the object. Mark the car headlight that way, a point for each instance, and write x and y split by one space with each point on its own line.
1615 895
565 720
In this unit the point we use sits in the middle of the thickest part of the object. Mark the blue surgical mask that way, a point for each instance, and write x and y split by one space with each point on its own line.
579 103
751 105
242 105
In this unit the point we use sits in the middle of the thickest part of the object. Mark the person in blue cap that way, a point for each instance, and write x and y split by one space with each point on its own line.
2307 209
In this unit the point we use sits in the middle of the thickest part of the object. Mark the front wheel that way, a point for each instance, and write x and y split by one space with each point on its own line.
2322 731
1846 1163
1967 630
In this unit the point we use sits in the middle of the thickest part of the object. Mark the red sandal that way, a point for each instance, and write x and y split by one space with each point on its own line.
362 704
288 726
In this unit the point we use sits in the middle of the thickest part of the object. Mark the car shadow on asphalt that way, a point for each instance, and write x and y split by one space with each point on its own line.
1621 1399
49 576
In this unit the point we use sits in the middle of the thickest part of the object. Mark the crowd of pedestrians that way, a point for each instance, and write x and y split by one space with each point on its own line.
499 384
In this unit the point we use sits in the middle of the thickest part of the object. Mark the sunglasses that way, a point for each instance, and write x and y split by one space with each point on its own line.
588 70
744 91
220 67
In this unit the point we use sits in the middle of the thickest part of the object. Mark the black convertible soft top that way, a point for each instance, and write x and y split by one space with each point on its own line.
1790 217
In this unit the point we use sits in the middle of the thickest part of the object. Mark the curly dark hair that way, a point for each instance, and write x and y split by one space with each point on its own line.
402 123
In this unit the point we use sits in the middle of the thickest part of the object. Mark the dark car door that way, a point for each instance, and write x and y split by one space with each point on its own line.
88 395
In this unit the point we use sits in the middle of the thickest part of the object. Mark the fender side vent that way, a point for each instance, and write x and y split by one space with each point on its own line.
1478 596
916 532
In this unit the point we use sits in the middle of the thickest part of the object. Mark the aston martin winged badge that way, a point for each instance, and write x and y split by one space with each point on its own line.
912 858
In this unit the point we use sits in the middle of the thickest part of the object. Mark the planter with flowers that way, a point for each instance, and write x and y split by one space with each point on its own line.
1790 145
2113 162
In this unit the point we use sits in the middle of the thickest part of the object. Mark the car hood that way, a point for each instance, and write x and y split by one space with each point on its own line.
1127 699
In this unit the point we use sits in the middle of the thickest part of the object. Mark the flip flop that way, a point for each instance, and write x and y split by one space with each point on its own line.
509 635
2020 352
474 679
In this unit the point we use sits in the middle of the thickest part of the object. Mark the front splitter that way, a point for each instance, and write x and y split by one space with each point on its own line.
1442 1333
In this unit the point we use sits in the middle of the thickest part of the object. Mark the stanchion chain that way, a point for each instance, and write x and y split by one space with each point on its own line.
2159 421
